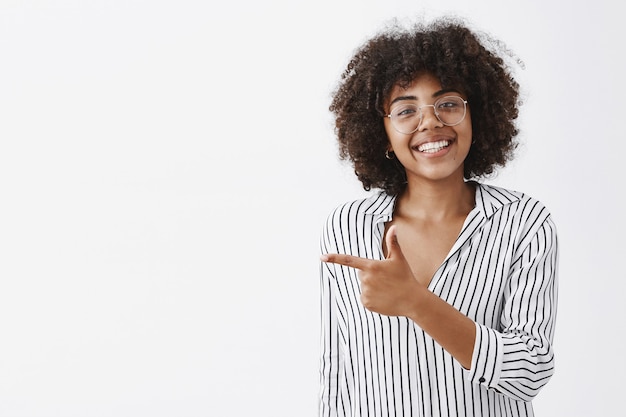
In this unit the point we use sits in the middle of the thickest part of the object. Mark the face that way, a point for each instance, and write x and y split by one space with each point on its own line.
435 151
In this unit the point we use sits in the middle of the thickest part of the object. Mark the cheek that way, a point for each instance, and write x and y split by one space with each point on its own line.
468 120
394 138
466 131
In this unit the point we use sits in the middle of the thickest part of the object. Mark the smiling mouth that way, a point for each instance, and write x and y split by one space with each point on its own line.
432 147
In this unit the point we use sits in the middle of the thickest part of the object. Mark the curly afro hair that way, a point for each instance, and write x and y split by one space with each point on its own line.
460 59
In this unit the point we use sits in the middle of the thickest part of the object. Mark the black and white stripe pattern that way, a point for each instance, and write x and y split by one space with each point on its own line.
501 272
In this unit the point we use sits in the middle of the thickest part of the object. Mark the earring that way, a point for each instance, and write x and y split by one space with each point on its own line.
389 154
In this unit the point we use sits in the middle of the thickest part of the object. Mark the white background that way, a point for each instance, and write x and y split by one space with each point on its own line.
166 166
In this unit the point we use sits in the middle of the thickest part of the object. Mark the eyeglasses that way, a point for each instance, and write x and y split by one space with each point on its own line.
449 110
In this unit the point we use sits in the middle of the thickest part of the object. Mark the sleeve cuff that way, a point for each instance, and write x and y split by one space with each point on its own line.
487 357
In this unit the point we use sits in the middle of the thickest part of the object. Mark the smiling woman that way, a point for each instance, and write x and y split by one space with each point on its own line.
433 144
438 292
384 70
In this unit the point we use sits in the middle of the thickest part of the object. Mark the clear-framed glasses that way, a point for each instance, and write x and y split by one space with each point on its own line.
449 110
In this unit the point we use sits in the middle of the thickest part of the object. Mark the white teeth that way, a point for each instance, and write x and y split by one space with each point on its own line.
432 147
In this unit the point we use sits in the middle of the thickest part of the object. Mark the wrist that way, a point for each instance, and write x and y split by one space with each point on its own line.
417 304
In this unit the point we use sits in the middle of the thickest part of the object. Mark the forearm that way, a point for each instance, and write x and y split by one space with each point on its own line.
455 332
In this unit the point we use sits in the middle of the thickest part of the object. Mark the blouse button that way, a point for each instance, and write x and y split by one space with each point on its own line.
481 379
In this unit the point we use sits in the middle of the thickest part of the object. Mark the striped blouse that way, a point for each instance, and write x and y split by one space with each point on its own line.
501 272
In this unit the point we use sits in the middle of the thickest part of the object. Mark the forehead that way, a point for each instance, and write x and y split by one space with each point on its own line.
423 86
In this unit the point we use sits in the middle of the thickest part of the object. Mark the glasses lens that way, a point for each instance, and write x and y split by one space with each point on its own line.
450 110
406 118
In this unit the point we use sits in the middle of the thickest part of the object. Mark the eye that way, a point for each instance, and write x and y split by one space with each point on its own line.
403 112
450 104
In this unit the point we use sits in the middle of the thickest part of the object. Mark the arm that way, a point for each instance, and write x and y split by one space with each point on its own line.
331 361
518 360
388 287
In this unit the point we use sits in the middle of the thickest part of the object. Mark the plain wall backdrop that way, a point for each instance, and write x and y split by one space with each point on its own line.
166 167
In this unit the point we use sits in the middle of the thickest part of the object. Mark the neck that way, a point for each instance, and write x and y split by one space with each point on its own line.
436 201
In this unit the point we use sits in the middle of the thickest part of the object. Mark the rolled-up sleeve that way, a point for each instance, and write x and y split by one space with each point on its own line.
517 359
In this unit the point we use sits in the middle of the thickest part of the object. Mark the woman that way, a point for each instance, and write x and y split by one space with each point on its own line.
438 292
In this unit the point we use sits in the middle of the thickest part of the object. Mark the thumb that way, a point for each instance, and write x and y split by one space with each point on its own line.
393 247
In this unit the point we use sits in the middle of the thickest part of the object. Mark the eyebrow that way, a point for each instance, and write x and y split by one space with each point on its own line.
435 95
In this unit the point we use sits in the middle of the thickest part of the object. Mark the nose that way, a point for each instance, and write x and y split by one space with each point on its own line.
428 118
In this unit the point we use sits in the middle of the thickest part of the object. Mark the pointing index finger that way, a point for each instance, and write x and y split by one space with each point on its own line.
345 260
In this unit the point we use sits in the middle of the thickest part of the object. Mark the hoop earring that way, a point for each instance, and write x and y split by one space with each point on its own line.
389 154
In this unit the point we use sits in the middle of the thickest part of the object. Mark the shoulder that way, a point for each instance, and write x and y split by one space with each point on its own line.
356 218
496 199
379 204
521 211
